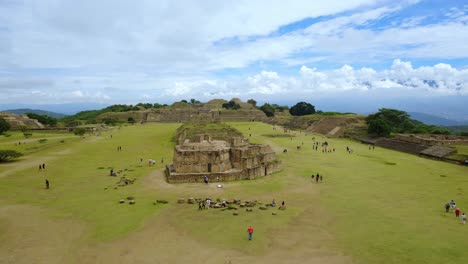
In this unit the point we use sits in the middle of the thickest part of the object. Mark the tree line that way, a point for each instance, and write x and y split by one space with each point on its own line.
299 109
387 121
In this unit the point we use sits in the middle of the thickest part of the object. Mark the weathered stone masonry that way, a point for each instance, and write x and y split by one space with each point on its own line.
220 160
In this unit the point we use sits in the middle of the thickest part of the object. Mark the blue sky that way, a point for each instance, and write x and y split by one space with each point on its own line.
406 54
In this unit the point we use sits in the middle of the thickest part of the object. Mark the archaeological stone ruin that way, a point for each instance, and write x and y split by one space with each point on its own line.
17 121
232 158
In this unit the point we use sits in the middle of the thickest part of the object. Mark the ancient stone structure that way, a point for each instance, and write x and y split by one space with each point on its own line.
220 160
419 145
438 152
337 126
181 112
17 121
432 140
182 115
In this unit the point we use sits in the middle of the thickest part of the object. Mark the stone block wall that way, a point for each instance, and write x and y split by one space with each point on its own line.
432 140
232 175
220 162
184 114
201 161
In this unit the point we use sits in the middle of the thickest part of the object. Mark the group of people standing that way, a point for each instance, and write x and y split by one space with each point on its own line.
206 204
452 206
317 178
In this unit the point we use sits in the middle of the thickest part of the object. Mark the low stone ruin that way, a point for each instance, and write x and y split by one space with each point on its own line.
17 121
220 160
432 140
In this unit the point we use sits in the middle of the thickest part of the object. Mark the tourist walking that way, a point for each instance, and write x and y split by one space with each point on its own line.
447 207
205 179
457 212
321 178
463 218
47 184
452 203
250 231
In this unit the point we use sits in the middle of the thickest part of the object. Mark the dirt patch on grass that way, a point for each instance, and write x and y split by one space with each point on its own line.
161 242
303 240
29 235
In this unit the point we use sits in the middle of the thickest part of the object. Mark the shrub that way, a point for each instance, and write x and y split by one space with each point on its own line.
7 154
268 110
79 131
4 125
231 105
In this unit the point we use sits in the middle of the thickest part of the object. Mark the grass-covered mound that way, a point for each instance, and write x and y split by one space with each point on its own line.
217 130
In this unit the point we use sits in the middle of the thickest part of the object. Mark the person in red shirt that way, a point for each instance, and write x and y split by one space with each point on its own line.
250 230
457 212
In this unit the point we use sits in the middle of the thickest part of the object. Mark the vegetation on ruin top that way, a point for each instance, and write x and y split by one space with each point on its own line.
216 130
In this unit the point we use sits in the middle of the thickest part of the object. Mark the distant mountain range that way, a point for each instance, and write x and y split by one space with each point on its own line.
435 120
67 108
35 111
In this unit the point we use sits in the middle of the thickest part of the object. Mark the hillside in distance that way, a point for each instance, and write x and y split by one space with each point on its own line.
35 111
435 120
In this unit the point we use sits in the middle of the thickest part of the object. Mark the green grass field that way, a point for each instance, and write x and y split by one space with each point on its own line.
374 206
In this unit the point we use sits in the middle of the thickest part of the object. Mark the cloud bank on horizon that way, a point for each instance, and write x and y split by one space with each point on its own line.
274 51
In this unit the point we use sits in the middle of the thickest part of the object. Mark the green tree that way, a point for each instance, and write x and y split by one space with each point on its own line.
379 127
157 105
79 131
145 105
131 120
4 125
398 122
302 108
7 154
231 105
194 102
268 110
394 118
252 102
